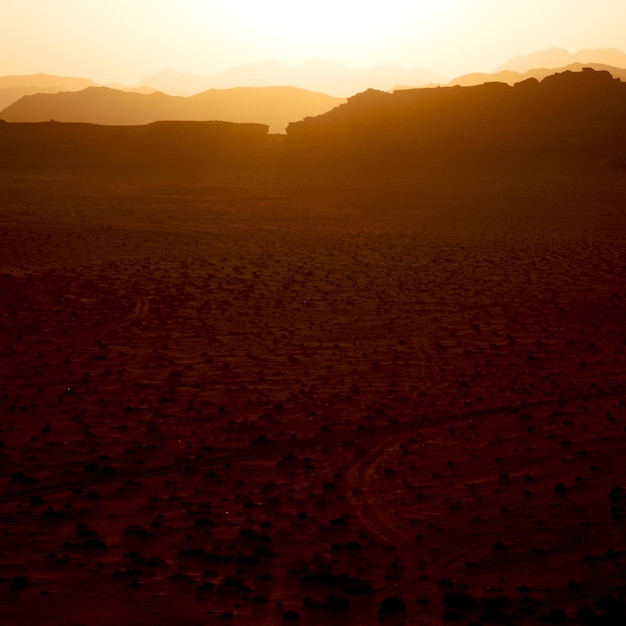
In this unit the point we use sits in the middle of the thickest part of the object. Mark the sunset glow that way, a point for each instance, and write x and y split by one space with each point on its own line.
121 40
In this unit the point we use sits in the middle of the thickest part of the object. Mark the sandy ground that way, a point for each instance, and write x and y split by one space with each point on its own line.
250 402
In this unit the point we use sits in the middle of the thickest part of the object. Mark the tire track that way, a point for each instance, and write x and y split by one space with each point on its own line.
365 502
371 505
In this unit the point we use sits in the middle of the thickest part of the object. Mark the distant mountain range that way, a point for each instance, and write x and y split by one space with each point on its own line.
557 57
249 93
511 76
570 121
342 80
541 64
272 106
328 77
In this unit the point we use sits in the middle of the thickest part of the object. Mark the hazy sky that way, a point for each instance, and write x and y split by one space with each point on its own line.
126 40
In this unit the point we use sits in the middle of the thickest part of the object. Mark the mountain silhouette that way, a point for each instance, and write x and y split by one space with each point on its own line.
558 57
273 106
568 121
512 77
329 77
566 117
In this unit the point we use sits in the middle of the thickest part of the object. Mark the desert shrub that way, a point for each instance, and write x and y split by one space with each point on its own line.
459 600
586 615
332 603
391 606
20 582
495 616
359 589
610 603
454 616
496 603
555 616
324 578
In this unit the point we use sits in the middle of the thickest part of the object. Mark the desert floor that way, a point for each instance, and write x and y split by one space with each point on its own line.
257 402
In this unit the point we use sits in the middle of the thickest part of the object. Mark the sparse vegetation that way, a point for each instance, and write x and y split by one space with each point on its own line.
192 424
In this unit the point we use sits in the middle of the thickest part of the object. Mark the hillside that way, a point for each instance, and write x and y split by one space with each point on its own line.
566 117
273 106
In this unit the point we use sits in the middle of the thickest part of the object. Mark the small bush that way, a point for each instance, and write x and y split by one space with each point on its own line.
459 601
391 606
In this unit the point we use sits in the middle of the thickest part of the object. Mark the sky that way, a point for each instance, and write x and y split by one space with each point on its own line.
126 40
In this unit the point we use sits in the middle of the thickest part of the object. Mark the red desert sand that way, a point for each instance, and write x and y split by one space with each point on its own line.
251 402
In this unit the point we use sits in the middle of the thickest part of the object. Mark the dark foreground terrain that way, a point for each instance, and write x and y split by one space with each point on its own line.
256 401
373 370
